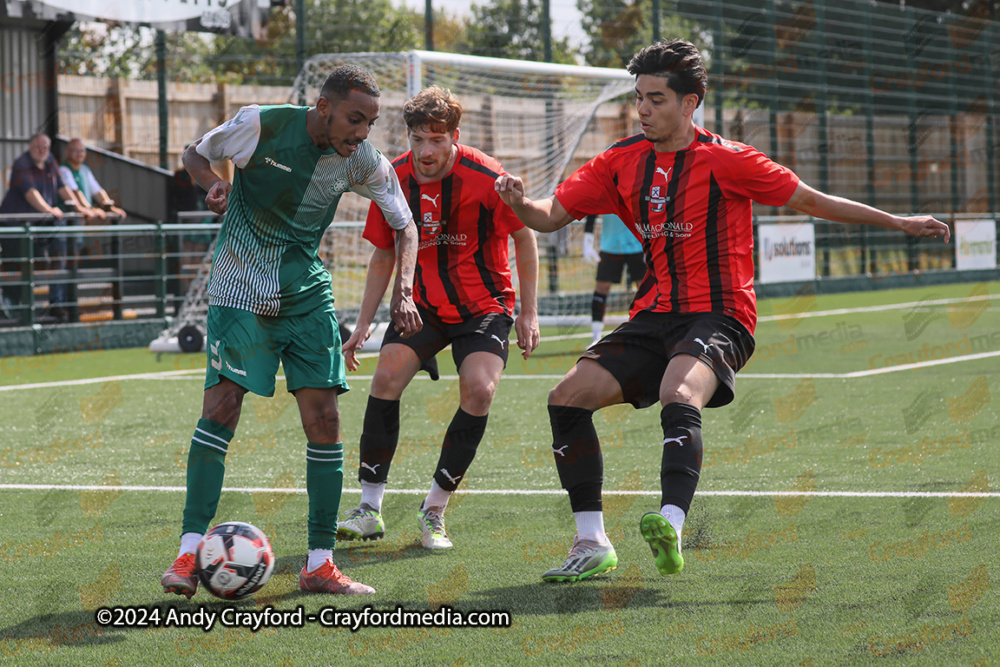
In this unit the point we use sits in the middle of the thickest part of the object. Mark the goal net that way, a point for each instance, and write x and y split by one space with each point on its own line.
540 120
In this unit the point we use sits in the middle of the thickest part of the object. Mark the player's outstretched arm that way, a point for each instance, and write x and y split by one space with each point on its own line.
544 215
526 323
402 308
828 207
376 283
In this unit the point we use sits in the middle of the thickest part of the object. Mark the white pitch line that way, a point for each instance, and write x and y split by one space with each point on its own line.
873 309
523 492
175 375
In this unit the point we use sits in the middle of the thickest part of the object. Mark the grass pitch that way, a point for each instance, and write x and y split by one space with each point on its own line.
846 512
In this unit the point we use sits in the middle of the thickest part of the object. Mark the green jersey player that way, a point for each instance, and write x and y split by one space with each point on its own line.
270 298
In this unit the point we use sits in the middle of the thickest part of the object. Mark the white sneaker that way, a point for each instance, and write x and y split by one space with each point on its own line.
433 534
586 558
362 523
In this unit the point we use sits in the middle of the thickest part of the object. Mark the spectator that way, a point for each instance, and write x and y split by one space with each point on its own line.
36 187
92 200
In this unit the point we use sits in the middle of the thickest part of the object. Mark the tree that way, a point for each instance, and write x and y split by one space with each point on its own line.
513 29
619 28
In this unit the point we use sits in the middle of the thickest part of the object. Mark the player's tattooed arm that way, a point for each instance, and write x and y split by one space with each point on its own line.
402 308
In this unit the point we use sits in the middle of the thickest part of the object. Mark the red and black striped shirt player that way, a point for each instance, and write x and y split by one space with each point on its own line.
464 294
462 268
687 195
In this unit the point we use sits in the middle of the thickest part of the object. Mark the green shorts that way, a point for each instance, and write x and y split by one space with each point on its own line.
246 349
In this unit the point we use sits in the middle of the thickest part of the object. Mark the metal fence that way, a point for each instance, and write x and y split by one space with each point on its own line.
140 271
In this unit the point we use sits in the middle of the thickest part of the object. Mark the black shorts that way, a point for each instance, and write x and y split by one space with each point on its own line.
612 266
637 352
488 333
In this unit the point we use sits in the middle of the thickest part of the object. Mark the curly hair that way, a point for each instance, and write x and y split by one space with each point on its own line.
434 109
348 78
678 62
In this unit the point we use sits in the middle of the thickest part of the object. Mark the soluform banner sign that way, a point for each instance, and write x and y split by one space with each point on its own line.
975 244
787 252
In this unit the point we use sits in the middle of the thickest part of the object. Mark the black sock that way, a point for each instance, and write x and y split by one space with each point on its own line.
682 450
598 304
577 452
378 440
461 440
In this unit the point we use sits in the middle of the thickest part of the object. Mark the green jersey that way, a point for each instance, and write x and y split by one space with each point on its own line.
284 196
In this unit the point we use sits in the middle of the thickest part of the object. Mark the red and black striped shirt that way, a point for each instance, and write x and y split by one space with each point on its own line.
692 211
462 261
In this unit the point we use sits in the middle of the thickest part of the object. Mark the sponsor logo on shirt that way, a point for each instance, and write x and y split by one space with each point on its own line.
340 186
444 239
668 228
432 200
280 166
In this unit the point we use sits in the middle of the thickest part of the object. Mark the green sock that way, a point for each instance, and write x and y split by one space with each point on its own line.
324 484
206 468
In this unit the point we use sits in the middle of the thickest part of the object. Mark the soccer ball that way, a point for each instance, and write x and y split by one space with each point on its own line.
234 560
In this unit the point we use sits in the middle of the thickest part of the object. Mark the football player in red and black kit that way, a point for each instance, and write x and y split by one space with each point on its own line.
686 194
465 297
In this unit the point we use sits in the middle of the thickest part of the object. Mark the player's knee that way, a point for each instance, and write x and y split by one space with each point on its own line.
386 384
322 424
477 397
681 393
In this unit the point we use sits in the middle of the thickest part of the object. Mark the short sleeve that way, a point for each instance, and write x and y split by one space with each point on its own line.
589 189
753 175
235 140
383 188
67 179
95 187
377 230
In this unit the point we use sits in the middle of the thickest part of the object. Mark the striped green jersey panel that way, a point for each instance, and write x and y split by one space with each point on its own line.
267 257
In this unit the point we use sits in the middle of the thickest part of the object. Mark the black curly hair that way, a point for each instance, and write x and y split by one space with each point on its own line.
676 61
